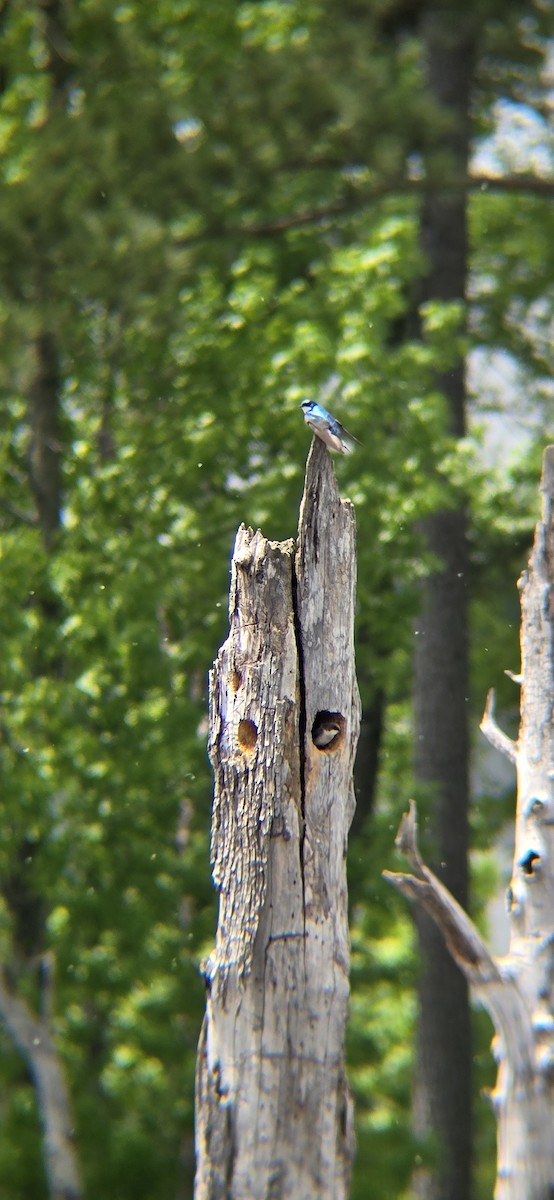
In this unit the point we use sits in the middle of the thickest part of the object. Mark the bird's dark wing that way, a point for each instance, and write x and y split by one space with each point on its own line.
347 434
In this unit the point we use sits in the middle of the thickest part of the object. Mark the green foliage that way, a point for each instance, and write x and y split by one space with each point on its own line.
207 206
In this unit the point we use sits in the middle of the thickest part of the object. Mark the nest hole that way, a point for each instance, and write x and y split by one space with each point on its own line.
328 731
247 736
236 679
527 862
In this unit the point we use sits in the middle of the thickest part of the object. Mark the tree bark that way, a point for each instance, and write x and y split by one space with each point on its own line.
273 1109
441 754
518 990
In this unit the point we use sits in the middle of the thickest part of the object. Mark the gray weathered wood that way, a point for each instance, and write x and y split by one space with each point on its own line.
273 1112
517 990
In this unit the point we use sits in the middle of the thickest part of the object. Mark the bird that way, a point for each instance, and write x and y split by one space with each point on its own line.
324 731
326 427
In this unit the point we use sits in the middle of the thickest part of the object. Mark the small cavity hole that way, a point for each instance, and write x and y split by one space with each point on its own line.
247 736
328 731
236 679
527 862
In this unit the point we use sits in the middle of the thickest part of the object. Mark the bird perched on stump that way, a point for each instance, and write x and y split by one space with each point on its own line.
326 427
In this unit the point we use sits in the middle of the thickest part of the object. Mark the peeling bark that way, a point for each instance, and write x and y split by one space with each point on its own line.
517 990
273 1107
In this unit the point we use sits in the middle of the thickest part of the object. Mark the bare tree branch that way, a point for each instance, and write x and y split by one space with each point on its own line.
493 733
460 934
356 198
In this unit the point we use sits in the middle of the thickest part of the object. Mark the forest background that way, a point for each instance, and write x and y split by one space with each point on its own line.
208 211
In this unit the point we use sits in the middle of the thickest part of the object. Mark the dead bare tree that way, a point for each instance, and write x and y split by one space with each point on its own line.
517 990
273 1109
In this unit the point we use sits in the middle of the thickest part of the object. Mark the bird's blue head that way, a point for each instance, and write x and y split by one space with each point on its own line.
307 406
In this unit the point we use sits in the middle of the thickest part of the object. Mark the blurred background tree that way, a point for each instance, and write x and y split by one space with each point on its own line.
208 211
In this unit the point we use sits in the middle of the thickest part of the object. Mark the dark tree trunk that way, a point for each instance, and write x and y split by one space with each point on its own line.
44 422
367 759
442 1090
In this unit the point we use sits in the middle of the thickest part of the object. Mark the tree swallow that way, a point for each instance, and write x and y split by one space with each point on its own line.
325 731
335 436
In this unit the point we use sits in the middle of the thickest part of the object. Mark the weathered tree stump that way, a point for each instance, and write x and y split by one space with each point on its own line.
517 990
273 1110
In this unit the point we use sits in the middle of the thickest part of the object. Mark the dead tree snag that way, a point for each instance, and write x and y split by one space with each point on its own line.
273 1106
517 990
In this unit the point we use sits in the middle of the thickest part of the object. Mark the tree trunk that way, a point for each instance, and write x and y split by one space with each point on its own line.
44 423
518 990
366 769
31 1033
443 1048
273 1105
441 752
33 1038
